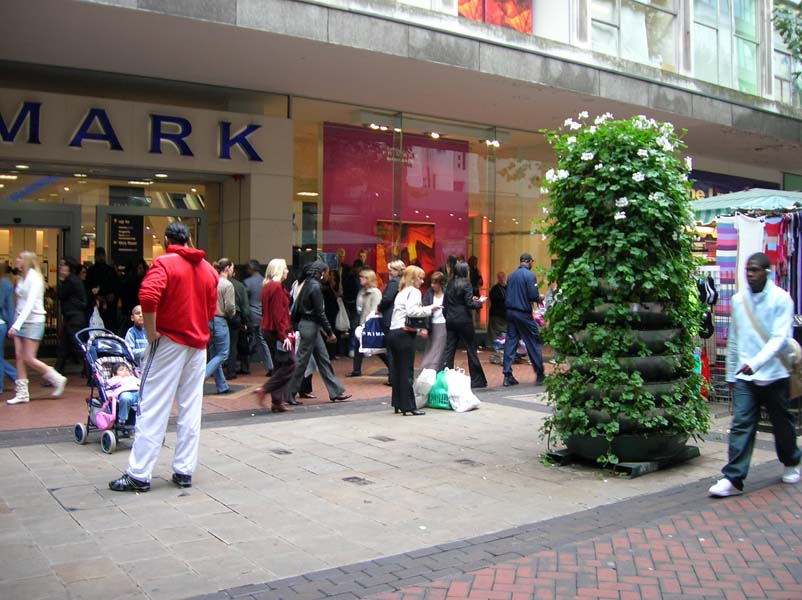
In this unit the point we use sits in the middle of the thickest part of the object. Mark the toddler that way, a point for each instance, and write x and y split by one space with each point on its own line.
122 387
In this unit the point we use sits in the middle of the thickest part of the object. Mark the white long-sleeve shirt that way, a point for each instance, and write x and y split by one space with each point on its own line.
773 310
408 303
30 300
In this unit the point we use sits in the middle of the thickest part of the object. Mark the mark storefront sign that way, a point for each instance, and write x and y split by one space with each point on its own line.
46 126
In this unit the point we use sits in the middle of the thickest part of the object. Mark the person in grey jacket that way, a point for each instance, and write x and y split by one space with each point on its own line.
253 283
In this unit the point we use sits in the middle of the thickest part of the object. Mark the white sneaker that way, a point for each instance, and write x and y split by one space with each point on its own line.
724 488
59 383
791 474
18 400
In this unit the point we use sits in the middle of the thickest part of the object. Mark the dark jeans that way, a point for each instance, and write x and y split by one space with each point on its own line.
466 333
746 403
521 325
68 347
358 357
401 346
312 344
283 369
230 368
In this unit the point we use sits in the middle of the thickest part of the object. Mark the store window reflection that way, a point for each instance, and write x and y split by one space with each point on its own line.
378 186
643 32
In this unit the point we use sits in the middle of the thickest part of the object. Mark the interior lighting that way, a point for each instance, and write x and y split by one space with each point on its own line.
434 135
397 129
309 194
193 190
161 175
493 143
134 182
373 126
22 167
2 185
11 177
66 189
79 174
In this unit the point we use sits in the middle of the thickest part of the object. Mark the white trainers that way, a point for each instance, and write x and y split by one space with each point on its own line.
791 474
18 400
59 383
724 488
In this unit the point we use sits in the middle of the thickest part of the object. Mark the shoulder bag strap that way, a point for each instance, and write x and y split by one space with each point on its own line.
762 333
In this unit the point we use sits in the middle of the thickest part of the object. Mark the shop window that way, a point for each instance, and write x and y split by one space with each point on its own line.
643 32
726 43
552 20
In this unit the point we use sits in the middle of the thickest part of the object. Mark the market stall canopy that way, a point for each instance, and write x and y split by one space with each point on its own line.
756 199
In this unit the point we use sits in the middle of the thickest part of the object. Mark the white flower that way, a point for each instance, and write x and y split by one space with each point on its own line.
666 128
674 236
622 202
562 174
602 118
599 166
567 122
571 140
642 152
638 176
575 125
684 177
654 196
663 142
583 114
544 190
620 215
592 129
611 169
587 156
550 175
689 163
545 209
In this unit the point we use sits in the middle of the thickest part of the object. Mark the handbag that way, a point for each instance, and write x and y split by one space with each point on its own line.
95 322
342 322
417 323
371 338
792 362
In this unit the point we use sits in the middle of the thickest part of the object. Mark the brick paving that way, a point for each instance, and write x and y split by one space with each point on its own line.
677 543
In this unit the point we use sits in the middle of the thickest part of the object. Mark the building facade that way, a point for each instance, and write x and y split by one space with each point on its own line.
402 129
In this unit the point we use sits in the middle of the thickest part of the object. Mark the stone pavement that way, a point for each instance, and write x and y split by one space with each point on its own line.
351 501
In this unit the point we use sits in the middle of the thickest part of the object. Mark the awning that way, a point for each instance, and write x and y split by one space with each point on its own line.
756 199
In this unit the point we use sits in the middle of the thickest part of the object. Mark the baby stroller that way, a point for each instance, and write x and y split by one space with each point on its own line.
102 349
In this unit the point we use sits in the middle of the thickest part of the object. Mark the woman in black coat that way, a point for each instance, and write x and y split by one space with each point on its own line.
458 306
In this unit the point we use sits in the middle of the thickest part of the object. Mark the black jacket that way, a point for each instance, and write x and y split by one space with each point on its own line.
310 306
72 296
458 303
498 300
388 301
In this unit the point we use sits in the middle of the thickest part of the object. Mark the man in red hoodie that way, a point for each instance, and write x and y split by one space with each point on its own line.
178 298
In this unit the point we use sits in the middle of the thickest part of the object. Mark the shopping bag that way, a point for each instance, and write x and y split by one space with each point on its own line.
438 395
371 339
95 322
423 384
342 322
460 395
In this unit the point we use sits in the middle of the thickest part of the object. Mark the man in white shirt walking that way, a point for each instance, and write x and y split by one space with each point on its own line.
760 325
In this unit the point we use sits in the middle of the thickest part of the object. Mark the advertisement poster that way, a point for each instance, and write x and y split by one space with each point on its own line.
707 185
515 14
125 234
411 242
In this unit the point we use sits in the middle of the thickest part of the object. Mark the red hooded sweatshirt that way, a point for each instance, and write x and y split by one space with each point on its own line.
181 288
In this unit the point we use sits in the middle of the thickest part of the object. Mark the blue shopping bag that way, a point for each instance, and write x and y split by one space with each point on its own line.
371 340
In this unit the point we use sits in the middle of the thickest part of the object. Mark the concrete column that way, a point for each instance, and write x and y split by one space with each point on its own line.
268 228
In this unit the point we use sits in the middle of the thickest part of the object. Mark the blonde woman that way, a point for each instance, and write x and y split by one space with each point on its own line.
367 303
28 329
401 339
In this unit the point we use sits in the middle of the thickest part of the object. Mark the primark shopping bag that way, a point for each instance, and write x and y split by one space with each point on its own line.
372 337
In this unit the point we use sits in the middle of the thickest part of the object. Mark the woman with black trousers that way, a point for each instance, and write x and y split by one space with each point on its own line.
394 268
401 339
458 306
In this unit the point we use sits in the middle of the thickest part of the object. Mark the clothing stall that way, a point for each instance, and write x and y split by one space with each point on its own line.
736 226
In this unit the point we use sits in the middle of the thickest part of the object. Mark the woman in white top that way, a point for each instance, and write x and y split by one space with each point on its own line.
28 329
401 339
437 330
367 304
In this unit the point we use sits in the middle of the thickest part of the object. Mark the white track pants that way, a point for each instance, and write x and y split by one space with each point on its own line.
172 371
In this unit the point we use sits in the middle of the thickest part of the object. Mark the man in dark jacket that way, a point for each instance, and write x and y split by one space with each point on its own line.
72 299
102 279
395 268
522 292
497 324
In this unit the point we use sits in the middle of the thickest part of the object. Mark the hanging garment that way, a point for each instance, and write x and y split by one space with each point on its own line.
750 240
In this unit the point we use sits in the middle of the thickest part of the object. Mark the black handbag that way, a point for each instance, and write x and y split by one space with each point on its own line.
417 323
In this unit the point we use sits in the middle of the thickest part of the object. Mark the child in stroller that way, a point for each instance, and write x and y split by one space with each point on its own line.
123 388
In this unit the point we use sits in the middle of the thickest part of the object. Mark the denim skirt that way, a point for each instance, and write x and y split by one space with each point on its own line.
32 331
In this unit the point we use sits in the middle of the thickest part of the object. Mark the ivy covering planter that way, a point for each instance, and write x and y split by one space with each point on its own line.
619 225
